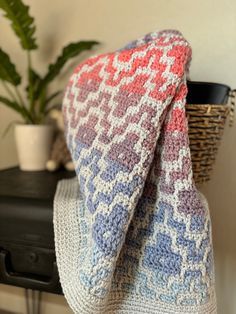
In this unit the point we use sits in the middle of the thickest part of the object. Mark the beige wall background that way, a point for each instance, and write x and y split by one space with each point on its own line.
210 27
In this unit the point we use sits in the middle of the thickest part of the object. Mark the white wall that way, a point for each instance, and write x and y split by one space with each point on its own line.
210 27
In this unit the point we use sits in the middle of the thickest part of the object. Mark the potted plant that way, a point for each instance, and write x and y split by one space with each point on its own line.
34 136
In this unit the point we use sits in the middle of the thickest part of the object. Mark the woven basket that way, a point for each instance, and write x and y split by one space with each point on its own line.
206 125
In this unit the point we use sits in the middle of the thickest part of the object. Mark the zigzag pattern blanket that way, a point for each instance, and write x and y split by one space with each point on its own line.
132 232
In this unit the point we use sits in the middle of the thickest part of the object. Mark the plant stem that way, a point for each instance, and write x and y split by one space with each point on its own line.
24 112
31 87
29 59
19 97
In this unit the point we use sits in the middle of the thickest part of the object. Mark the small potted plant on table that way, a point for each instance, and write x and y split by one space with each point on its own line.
34 136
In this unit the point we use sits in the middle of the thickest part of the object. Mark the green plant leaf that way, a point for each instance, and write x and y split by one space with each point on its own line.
11 104
21 22
15 106
68 52
46 101
35 79
42 99
8 70
52 96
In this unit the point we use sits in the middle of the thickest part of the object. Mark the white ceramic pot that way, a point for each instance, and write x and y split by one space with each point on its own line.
33 144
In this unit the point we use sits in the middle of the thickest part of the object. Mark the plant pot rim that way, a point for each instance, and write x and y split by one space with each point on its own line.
202 83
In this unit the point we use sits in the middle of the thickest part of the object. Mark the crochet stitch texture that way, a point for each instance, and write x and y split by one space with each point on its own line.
132 232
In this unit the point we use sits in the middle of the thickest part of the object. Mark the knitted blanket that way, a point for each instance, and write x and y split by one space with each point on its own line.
132 232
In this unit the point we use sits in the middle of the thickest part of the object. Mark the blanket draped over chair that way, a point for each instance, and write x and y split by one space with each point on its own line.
132 232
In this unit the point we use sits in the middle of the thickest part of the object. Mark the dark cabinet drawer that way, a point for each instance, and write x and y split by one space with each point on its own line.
27 255
29 267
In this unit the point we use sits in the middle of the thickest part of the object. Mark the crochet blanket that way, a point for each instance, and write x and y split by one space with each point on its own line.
132 232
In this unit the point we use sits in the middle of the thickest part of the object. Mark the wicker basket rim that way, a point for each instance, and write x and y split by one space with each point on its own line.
211 105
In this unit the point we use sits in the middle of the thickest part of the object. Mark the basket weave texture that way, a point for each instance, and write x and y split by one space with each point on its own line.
206 125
